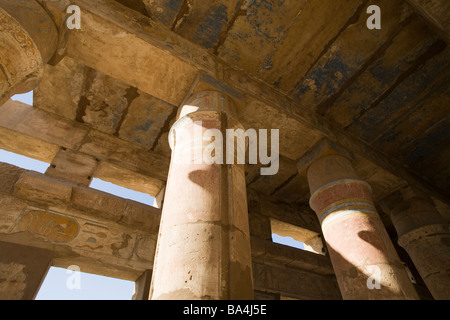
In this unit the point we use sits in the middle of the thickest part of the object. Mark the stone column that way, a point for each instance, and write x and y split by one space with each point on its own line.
203 249
22 270
425 235
28 39
363 256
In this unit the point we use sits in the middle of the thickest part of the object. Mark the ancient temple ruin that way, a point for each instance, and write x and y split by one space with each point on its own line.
357 90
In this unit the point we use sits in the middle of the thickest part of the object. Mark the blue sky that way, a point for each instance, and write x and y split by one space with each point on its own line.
57 284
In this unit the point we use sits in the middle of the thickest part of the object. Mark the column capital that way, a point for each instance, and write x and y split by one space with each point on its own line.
209 107
36 22
207 83
413 211
323 148
30 37
208 100
327 163
425 235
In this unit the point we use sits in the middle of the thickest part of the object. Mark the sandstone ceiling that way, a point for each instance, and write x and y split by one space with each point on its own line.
386 91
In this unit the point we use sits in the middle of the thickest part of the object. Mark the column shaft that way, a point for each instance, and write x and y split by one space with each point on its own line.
365 261
203 249
425 235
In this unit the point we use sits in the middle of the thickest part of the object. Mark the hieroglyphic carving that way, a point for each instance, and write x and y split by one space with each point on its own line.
49 225
85 236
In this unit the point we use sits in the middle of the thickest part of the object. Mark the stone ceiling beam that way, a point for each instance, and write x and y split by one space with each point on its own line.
46 133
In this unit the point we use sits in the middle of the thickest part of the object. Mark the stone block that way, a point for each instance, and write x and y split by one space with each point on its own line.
41 189
72 166
129 179
41 125
101 204
9 175
141 216
27 145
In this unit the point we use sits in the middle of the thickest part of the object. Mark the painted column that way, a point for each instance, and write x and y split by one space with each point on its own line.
425 235
28 39
203 249
363 256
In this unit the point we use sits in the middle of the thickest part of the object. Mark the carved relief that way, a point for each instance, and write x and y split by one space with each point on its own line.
99 240
51 226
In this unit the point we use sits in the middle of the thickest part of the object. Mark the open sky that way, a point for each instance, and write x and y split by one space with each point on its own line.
63 284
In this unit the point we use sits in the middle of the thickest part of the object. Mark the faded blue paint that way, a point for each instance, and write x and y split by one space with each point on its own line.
374 121
394 134
239 36
277 83
168 11
173 5
216 21
231 54
145 127
259 17
388 75
385 75
431 144
327 76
